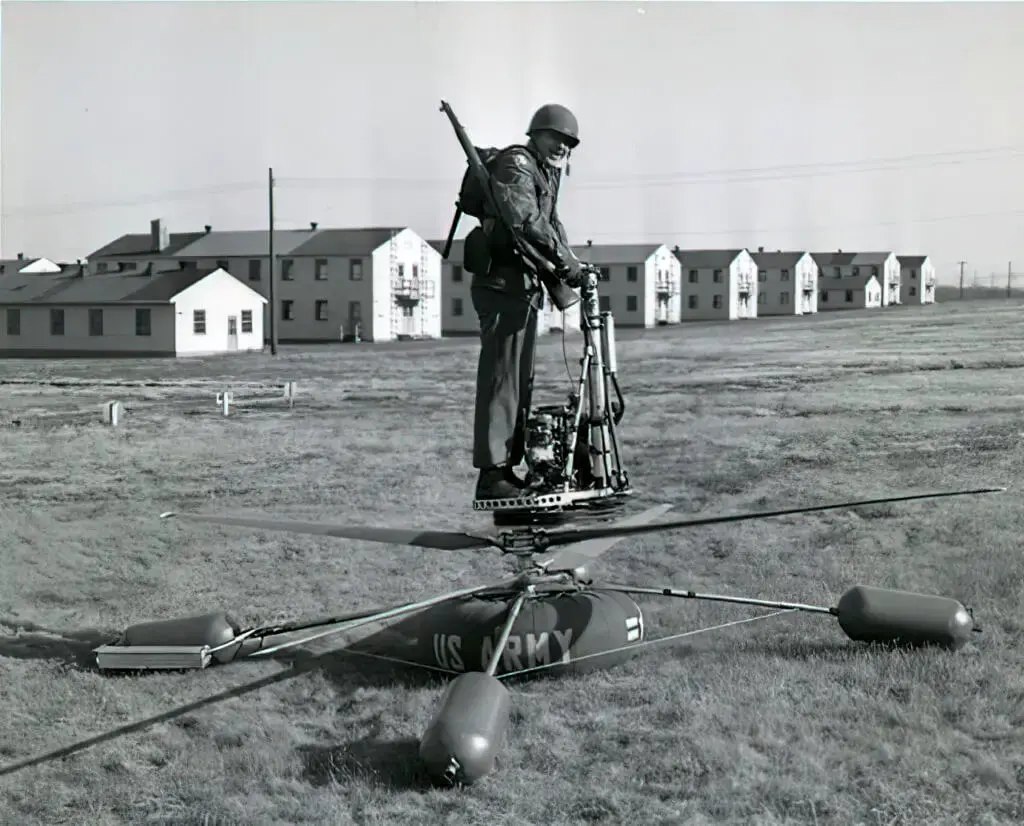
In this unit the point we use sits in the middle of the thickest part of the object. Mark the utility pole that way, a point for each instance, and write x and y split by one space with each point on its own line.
1009 274
273 269
961 263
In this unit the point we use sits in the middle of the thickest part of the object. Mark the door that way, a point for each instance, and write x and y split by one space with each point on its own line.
408 321
232 332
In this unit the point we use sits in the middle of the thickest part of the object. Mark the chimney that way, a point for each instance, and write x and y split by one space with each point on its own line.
760 249
312 225
159 238
207 227
21 256
590 243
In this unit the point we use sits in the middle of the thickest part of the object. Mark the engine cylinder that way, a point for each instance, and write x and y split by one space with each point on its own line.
871 614
462 741
208 629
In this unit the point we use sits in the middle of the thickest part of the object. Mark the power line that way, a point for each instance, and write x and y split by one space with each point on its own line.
714 176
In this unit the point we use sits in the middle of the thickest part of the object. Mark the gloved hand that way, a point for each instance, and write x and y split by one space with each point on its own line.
573 273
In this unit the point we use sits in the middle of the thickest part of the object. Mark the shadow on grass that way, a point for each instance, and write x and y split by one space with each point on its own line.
337 663
392 763
70 647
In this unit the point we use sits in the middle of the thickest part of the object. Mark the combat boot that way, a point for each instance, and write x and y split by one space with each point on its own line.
494 484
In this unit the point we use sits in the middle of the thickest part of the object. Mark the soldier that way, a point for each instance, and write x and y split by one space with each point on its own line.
507 294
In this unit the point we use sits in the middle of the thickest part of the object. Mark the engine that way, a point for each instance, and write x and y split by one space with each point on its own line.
548 443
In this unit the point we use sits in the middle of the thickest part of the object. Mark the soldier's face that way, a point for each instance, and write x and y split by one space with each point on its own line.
553 147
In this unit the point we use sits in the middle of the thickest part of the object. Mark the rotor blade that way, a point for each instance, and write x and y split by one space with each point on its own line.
440 540
581 534
579 553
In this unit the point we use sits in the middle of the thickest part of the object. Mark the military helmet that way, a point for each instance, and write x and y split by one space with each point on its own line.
557 118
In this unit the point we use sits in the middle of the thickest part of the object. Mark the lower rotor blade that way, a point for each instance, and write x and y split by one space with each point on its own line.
580 552
438 540
580 534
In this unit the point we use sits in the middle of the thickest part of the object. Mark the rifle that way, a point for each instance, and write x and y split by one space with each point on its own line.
562 295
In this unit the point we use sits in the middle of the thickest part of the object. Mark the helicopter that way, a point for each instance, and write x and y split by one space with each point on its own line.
549 616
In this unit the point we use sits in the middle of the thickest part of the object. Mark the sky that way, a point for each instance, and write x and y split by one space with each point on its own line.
803 126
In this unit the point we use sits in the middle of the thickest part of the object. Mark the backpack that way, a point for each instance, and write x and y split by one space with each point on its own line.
472 200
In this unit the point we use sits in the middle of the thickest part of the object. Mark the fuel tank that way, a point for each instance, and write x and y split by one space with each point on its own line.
553 634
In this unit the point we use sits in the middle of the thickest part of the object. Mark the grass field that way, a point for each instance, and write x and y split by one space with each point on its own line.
783 721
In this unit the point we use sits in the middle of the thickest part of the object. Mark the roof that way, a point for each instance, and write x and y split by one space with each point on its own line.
140 244
616 253
833 259
870 257
158 288
912 260
776 259
347 241
250 243
702 259
18 288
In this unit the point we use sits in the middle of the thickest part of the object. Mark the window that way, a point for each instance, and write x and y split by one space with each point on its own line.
824 295
856 271
913 291
760 297
716 301
246 321
456 306
123 266
849 296
401 270
456 273
631 273
762 275
355 310
101 267
836 271
321 269
199 322
691 302
415 270
913 274
95 322
784 275
287 313
321 310
606 274
783 298
143 326
693 276
717 277
286 269
355 269
13 321
874 271
223 263
56 322
631 303
254 269
605 303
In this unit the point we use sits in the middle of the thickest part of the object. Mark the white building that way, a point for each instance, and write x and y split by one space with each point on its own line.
178 313
27 265
849 292
639 283
385 281
787 283
717 284
885 267
917 279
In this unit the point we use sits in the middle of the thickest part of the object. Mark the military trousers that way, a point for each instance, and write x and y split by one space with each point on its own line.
504 381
